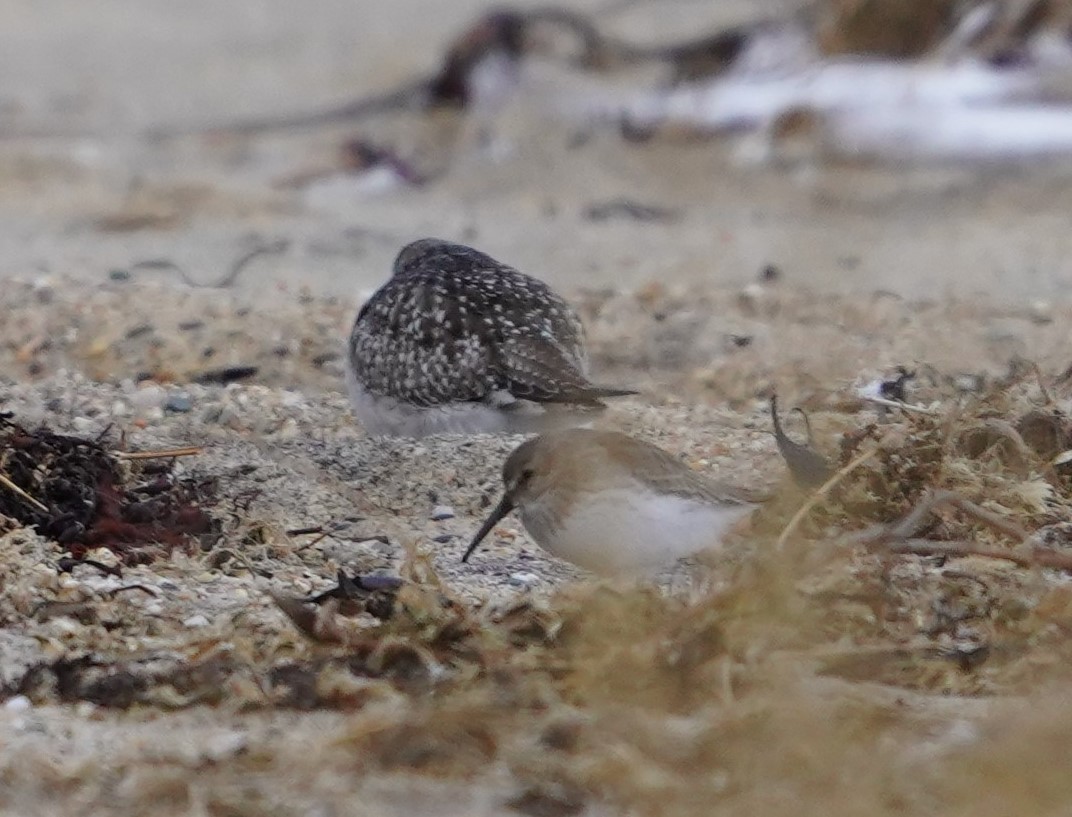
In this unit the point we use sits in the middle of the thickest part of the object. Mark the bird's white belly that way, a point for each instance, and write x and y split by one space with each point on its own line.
629 532
384 416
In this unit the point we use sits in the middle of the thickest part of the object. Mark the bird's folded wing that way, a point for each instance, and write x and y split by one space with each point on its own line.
534 368
665 473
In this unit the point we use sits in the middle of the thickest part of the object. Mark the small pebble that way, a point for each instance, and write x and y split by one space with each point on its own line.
751 299
524 579
222 747
196 621
179 403
228 416
441 512
18 703
969 383
148 397
1041 312
43 289
64 626
289 429
82 425
292 399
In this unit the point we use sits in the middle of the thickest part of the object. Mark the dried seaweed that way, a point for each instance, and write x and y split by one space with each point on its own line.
121 684
76 492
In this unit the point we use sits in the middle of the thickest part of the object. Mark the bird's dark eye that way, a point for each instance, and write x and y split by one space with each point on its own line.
527 474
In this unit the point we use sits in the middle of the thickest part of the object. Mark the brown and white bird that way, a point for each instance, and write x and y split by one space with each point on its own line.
612 504
456 342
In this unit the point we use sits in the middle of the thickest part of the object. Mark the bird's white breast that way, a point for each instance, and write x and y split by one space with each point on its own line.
502 413
624 531
385 416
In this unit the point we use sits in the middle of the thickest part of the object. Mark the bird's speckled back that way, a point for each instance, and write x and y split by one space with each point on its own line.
453 324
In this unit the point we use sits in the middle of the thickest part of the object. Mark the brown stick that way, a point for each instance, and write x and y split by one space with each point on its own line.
996 523
1037 557
7 483
897 537
189 451
128 587
899 531
316 540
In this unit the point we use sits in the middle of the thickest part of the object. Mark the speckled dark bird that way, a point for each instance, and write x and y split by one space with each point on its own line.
456 342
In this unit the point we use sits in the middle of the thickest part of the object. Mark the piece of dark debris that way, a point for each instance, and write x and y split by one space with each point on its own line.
67 565
122 684
894 388
554 798
770 274
324 358
740 341
305 531
80 611
228 374
360 154
623 208
82 496
374 595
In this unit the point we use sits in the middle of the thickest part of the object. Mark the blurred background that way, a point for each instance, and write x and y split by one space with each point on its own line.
916 146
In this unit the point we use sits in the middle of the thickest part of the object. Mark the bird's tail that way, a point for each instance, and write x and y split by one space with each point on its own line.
611 391
592 394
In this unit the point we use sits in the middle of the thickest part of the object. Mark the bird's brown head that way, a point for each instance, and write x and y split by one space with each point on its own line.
526 478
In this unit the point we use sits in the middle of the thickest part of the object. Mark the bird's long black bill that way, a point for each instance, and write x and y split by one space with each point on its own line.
502 509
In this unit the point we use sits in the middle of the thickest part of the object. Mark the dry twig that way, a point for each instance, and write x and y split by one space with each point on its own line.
898 537
1037 557
907 526
189 451
900 404
7 483
126 588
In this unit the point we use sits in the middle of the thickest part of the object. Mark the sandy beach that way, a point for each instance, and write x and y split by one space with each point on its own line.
165 287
